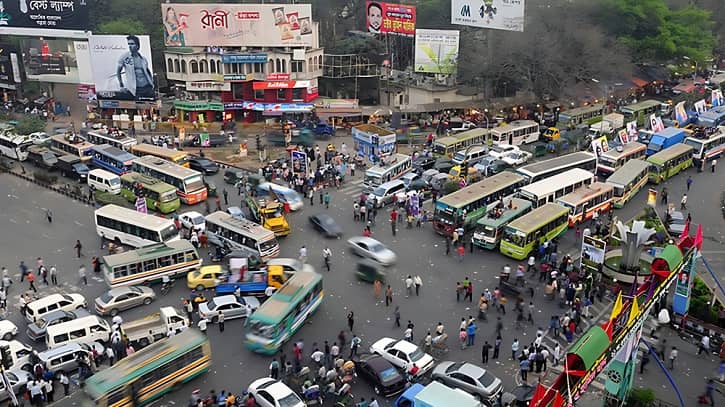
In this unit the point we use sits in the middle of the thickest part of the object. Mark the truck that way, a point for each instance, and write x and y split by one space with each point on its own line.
42 157
270 215
319 129
457 127
252 282
435 394
665 139
155 326
609 124
71 166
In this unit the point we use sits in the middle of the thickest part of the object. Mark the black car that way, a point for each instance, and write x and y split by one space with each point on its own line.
381 374
443 165
325 224
203 165
423 163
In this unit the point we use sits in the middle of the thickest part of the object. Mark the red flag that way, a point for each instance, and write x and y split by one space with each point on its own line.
608 328
558 400
538 396
686 230
698 238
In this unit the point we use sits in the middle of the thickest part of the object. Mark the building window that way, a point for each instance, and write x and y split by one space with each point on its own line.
212 67
279 65
258 94
284 65
176 65
297 93
281 94
296 66
170 65
183 66
235 68
219 66
194 66
258 68
203 66
310 65
237 90
271 66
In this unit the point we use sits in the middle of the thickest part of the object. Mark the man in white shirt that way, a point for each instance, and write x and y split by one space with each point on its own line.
202 324
317 356
303 254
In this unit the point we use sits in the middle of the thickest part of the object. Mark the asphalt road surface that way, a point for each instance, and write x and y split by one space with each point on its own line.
27 235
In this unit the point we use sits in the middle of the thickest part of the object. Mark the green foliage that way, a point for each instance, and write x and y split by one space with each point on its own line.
641 397
29 124
45 178
450 186
122 26
700 298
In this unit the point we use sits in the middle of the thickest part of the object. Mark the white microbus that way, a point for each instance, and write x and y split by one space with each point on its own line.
550 189
391 168
132 227
516 133
224 230
14 146
117 139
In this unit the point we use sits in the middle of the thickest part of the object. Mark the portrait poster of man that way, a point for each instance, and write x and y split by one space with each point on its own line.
299 162
632 131
305 27
122 67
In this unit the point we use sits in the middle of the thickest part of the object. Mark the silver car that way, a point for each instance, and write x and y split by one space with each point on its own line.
36 330
372 249
230 305
118 299
470 378
18 380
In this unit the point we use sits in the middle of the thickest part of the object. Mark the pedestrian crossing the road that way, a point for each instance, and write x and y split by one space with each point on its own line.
352 188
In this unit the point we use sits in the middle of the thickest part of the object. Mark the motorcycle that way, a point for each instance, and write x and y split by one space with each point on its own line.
219 254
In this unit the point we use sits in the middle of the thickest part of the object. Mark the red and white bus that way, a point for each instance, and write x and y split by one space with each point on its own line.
189 183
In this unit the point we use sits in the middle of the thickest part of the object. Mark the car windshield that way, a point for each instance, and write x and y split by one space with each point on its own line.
106 297
389 375
416 355
454 367
376 247
498 149
197 220
290 400
115 181
327 221
135 290
379 191
41 322
486 378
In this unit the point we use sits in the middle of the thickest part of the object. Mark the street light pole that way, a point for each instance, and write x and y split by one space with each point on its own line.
604 101
694 67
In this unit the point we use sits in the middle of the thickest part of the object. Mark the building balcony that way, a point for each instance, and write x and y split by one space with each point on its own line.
194 77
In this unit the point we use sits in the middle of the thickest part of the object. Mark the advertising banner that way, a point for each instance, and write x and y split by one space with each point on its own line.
700 106
600 145
436 51
632 131
680 113
387 18
496 14
299 162
122 67
716 98
592 256
651 197
251 25
623 136
49 14
252 58
10 72
656 124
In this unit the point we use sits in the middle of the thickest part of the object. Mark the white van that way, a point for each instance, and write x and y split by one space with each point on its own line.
81 330
20 353
385 193
64 358
53 302
475 154
102 180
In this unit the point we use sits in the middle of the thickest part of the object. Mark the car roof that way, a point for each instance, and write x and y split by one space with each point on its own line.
471 370
114 292
405 346
364 239
193 214
378 363
225 299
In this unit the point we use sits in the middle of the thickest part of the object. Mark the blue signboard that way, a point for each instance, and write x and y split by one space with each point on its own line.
248 58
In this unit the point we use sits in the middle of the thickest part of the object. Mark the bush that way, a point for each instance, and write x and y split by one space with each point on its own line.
641 397
30 124
105 198
44 178
450 186
700 298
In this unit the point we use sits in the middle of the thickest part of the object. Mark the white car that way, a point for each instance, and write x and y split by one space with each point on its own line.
194 220
402 354
372 249
229 305
516 158
39 137
500 150
7 330
268 392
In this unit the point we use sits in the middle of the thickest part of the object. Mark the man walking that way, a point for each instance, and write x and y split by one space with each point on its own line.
514 349
497 346
388 295
49 215
220 320
82 274
408 286
78 248
327 254
683 202
689 182
484 352
713 165
226 196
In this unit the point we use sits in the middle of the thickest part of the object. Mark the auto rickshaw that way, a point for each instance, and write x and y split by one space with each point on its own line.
369 271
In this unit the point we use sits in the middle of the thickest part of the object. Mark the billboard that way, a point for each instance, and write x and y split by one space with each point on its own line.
10 72
387 18
496 14
49 14
251 25
436 51
592 255
56 60
122 67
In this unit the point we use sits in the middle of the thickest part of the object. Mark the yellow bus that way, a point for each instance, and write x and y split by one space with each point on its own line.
628 180
177 157
526 233
669 162
587 200
615 158
449 145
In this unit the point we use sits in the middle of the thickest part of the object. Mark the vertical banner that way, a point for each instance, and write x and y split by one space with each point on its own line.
652 197
632 131
716 98
700 106
623 136
600 145
656 124
680 113
683 286
299 162
592 255
141 205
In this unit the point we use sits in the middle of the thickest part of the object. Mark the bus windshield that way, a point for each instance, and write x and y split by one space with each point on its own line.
514 236
267 245
169 233
168 196
194 183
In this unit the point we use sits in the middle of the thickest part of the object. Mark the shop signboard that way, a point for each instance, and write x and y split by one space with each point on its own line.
249 58
203 86
254 25
43 15
390 18
198 105
122 67
278 76
592 255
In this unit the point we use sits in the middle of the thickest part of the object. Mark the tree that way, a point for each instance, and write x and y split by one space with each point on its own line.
122 26
30 124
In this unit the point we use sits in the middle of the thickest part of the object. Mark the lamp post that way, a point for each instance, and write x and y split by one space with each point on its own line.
694 67
604 101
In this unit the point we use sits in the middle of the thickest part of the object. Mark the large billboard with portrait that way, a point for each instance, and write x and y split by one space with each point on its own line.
389 18
436 51
496 14
122 68
45 14
251 25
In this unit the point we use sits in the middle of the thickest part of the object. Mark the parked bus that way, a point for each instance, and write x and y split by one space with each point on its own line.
590 114
553 166
149 264
489 228
516 133
640 112
159 195
708 148
587 200
468 204
189 184
449 145
14 146
391 168
615 158
112 159
628 180
117 138
669 162
550 189
175 156
285 312
151 372
72 144
224 230
527 233
133 228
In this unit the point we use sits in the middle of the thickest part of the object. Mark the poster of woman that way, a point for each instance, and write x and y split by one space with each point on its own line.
174 26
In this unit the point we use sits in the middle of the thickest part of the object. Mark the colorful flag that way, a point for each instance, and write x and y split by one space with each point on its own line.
617 307
698 238
634 312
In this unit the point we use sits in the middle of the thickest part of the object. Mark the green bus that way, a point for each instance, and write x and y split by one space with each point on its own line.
284 313
159 195
490 228
590 114
640 111
149 373
628 180
149 264
525 234
669 162
447 146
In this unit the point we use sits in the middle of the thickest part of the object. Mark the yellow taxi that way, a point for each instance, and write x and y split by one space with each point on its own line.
205 277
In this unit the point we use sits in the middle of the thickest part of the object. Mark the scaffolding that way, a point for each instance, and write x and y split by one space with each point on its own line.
348 66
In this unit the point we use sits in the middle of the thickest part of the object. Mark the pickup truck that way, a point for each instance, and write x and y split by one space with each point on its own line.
71 166
255 282
155 326
457 127
42 157
435 394
665 139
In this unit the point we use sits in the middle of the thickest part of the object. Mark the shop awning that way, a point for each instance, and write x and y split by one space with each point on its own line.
640 83
684 87
331 112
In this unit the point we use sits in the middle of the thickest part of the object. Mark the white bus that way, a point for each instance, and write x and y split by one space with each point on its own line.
708 148
547 168
189 183
133 228
224 230
72 144
516 133
615 158
117 138
628 180
391 168
14 146
553 188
